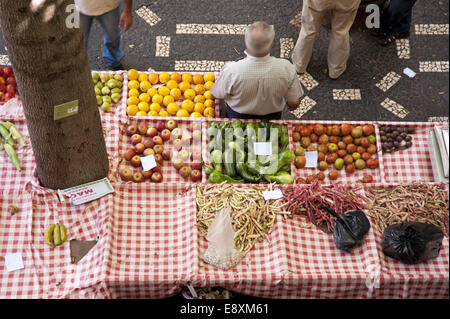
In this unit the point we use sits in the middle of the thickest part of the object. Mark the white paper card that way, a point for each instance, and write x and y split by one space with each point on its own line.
445 135
14 261
275 194
263 148
409 72
148 162
311 159
88 192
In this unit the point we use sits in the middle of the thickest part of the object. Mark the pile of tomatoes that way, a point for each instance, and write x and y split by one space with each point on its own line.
8 85
339 147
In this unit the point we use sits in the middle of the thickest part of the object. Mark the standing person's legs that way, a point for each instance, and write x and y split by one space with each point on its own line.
85 24
311 23
109 22
339 47
397 17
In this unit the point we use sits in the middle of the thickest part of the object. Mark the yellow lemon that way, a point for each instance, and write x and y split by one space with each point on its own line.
175 76
199 108
133 84
209 77
196 114
173 108
183 86
209 103
141 113
132 74
209 112
143 106
145 97
186 77
199 99
189 94
133 100
153 113
145 86
164 77
182 113
171 84
168 99
132 109
209 85
163 113
155 107
142 77
208 95
175 93
157 99
163 90
152 91
187 105
153 78
199 89
197 79
133 92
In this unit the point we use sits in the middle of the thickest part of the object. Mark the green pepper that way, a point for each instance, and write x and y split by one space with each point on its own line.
284 141
6 135
243 170
229 162
284 158
13 156
286 168
280 178
217 178
237 124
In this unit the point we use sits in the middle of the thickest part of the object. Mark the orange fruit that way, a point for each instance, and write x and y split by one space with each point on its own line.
132 110
199 99
142 77
132 74
141 113
183 86
209 85
133 92
163 113
155 107
145 97
133 84
189 94
164 77
209 112
199 107
157 99
152 91
199 89
197 79
196 114
176 93
168 99
153 113
163 90
209 77
171 84
133 100
182 113
186 77
175 76
208 95
209 103
143 106
172 108
153 78
187 105
145 86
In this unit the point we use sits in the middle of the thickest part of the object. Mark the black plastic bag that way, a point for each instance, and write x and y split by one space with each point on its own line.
349 229
412 242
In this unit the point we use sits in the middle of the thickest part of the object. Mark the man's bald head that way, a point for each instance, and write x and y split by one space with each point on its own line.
259 38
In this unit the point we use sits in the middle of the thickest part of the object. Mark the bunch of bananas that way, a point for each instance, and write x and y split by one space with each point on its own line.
55 235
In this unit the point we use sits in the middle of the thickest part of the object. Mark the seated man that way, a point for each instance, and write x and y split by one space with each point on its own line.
258 86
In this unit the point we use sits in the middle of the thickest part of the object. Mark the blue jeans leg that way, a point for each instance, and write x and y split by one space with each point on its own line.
109 22
397 17
85 24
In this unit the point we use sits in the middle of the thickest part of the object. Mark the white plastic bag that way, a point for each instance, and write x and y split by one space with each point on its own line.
221 252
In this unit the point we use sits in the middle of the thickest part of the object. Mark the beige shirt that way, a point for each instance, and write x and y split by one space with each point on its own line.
96 7
258 86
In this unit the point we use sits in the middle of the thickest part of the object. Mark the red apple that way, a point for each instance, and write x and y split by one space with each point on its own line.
11 80
129 153
158 149
157 177
176 133
165 134
148 142
139 147
171 124
196 165
157 168
147 174
131 130
158 140
148 151
136 161
185 171
126 174
160 125
151 131
166 154
138 177
178 144
11 89
158 158
196 175
8 71
2 87
142 128
136 138
9 96
178 163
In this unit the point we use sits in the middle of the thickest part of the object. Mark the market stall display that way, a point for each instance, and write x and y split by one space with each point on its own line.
109 88
149 236
8 85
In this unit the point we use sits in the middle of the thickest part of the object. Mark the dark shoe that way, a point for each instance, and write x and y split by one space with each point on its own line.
118 67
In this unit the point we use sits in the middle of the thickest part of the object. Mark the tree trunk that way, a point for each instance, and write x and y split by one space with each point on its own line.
51 67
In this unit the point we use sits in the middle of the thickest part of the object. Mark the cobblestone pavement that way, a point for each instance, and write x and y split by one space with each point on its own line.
203 36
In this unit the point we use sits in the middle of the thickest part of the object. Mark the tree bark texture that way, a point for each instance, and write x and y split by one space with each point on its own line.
51 68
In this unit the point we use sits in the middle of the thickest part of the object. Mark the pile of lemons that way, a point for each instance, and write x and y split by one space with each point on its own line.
175 94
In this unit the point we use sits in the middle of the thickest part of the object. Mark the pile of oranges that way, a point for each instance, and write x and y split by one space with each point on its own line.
175 94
